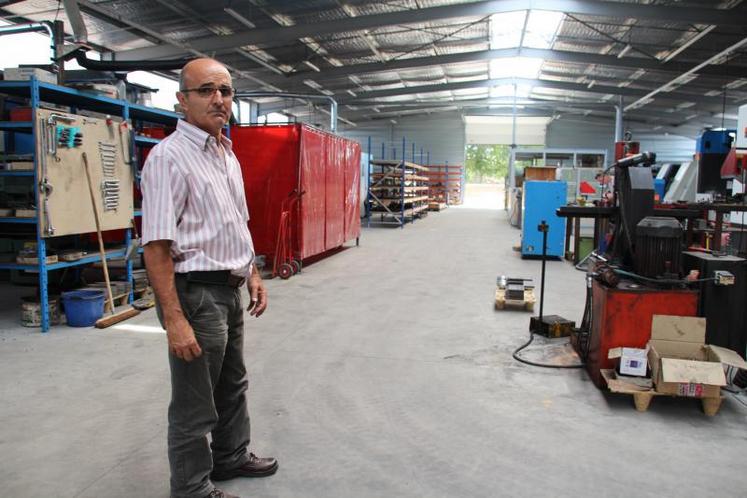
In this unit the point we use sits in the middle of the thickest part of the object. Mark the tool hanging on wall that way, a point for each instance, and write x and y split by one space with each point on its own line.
108 153
110 193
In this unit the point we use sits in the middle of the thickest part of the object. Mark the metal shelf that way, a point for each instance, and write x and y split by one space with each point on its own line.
16 173
25 126
141 140
120 253
18 220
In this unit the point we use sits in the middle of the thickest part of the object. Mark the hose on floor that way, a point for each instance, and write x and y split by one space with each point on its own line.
537 364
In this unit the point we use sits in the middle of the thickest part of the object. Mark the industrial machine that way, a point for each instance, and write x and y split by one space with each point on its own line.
516 293
541 200
711 149
722 296
640 273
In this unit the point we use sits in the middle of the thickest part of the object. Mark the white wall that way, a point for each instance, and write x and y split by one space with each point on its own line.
442 135
573 132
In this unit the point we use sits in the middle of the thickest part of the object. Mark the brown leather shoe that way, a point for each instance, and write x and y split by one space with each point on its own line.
254 467
217 493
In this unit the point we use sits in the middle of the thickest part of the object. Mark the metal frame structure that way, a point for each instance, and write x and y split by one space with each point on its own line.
678 68
410 180
37 92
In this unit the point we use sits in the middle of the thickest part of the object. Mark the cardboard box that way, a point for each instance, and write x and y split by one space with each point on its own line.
682 364
633 361
25 73
542 173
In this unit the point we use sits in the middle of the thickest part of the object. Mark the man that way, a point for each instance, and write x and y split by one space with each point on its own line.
198 252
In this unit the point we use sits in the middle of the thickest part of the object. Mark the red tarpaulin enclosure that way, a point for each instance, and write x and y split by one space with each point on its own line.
277 161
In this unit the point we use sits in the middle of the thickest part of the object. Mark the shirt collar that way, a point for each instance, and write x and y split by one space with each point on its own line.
199 136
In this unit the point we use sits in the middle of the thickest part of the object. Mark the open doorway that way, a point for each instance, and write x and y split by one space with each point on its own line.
486 167
488 152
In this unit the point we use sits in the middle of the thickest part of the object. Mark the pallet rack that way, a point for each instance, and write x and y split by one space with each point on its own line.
397 190
35 93
446 182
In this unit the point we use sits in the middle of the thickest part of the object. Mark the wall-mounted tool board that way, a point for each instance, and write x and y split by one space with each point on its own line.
64 199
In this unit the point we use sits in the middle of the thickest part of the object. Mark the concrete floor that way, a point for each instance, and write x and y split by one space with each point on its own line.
381 371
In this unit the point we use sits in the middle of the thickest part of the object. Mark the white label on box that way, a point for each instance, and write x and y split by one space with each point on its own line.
633 362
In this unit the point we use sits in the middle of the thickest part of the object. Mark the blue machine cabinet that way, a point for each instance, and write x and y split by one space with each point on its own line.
541 200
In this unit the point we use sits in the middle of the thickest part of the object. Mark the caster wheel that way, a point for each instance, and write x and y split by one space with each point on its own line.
285 271
296 264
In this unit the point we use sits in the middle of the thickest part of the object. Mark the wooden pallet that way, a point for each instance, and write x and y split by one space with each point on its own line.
526 304
436 206
642 396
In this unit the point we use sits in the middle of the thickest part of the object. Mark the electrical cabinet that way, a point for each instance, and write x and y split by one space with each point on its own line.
541 201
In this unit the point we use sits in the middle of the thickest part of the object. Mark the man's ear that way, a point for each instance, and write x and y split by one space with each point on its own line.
182 98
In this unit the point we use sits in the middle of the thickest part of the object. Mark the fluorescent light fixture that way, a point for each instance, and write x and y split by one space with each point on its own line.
352 93
736 83
243 20
312 66
591 84
624 51
515 67
542 28
312 84
505 29
685 105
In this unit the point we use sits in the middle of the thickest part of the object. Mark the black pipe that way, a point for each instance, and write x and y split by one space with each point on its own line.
543 227
164 65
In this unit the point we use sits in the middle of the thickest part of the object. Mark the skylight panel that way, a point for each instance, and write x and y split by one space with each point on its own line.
542 28
515 67
505 29
522 91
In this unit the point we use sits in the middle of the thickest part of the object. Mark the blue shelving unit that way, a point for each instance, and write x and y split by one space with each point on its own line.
37 92
403 183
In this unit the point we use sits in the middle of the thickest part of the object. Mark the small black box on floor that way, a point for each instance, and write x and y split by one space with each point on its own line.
551 326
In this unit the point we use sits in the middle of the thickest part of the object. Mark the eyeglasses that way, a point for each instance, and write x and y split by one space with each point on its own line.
209 91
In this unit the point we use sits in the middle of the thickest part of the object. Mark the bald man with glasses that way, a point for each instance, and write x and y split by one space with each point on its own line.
199 253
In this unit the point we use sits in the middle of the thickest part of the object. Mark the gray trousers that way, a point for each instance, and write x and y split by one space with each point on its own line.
208 394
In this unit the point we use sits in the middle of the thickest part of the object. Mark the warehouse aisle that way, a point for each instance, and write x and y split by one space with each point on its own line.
381 371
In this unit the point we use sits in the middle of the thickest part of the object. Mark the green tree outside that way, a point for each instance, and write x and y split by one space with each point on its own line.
487 163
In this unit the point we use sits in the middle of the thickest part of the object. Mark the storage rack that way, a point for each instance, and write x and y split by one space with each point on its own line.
446 182
397 190
36 92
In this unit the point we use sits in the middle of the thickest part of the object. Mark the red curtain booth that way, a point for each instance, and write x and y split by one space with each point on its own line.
277 161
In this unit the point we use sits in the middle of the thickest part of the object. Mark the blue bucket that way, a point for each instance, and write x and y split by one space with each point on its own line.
83 307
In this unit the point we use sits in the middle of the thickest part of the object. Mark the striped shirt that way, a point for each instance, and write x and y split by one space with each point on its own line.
193 195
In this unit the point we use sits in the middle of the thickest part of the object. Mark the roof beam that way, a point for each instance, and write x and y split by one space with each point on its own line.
724 70
690 15
559 85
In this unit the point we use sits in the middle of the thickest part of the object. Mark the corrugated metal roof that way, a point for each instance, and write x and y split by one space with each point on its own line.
396 49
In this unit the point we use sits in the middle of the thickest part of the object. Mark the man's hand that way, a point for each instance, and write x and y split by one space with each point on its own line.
182 341
257 294
181 337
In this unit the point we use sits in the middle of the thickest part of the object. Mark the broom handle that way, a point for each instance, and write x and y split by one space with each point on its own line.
98 233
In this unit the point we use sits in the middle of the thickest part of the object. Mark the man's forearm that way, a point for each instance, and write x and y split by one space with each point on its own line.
160 269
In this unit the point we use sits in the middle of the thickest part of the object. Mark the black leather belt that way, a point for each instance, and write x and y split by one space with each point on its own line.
217 277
